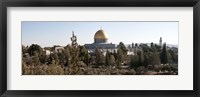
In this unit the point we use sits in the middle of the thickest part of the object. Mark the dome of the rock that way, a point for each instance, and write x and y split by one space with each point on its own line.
100 36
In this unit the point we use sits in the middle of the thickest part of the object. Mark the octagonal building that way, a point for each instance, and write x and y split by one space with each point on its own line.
100 42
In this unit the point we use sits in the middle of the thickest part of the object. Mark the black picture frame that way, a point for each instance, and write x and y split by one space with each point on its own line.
99 3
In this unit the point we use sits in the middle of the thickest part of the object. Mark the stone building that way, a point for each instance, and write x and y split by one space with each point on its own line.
101 42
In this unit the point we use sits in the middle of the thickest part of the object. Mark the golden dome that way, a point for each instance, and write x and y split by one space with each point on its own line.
100 34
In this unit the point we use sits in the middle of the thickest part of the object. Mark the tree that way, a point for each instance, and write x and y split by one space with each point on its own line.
141 57
153 48
100 60
67 56
164 55
155 59
147 56
152 44
34 49
74 50
145 48
134 63
107 58
62 57
24 49
136 44
83 51
132 45
35 60
74 55
43 58
87 59
174 57
112 60
55 58
84 55
123 48
120 56
158 48
115 54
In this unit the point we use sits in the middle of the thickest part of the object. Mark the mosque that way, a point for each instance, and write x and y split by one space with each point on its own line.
101 42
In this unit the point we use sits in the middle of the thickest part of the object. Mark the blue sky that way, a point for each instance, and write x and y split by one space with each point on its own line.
58 33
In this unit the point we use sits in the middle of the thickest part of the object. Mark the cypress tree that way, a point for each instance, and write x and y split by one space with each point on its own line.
164 55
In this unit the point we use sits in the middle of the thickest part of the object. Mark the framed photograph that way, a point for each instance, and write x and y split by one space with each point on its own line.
64 48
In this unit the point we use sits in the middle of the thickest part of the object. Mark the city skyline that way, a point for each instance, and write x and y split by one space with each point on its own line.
48 34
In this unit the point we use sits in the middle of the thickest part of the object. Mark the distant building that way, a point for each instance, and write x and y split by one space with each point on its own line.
160 42
58 49
130 51
47 52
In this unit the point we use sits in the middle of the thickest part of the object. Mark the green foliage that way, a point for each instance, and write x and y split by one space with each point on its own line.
141 70
84 55
67 56
55 70
100 59
134 63
120 56
34 49
55 57
61 57
35 60
74 55
115 54
112 60
122 47
83 52
52 69
109 59
43 58
75 60
174 57
155 59
165 56
141 58
24 49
